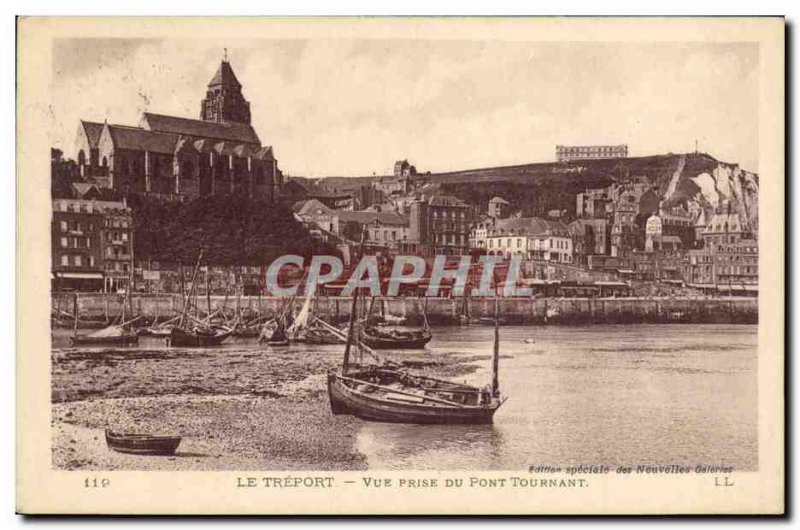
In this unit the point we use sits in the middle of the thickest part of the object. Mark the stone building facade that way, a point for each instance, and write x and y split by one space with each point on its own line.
531 238
440 225
92 245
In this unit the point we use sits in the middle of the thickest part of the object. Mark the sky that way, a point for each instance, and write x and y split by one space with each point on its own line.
352 107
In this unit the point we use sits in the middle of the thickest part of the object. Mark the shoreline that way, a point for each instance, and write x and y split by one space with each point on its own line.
220 433
97 308
235 409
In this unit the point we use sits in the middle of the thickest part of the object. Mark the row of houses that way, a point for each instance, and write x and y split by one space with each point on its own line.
92 245
432 225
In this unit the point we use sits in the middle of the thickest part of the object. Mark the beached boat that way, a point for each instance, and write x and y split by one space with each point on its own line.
110 336
395 338
142 444
197 334
117 334
197 338
383 392
391 395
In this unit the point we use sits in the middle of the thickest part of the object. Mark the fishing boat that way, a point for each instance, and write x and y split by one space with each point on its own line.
383 392
142 444
386 338
394 337
193 333
117 334
114 335
198 337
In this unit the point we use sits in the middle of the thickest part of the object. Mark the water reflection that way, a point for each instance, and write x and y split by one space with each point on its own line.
402 446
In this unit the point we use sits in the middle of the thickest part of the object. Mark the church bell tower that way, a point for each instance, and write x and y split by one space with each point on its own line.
224 101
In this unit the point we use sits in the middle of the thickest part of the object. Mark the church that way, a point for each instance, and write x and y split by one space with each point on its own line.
180 159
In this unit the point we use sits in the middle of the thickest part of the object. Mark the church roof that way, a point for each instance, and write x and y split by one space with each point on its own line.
93 131
228 131
142 140
224 76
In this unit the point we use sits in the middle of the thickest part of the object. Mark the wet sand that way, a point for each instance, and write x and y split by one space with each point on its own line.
241 407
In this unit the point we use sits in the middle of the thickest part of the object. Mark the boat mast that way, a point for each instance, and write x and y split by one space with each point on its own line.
496 353
353 309
75 311
188 298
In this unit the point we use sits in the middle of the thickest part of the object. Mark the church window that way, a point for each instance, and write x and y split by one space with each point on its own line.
186 169
81 157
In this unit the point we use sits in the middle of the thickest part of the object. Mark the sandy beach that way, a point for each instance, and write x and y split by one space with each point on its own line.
241 407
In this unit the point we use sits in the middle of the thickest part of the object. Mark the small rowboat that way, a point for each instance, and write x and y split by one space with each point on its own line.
142 444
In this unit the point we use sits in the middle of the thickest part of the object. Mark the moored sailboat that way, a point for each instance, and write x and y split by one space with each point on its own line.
385 393
117 334
200 334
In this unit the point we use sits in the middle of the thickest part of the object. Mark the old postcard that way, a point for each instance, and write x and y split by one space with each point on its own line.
400 266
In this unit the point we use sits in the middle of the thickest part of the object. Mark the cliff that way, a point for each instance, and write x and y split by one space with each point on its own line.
535 189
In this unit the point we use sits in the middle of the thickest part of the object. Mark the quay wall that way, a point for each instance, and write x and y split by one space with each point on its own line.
440 311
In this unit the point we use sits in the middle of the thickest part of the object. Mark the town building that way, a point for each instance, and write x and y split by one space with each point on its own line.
499 208
440 225
480 231
531 238
589 237
402 168
571 153
318 214
729 256
383 229
92 245
178 159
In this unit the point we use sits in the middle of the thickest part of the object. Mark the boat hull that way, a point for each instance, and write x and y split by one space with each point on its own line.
179 337
122 340
380 343
138 444
345 400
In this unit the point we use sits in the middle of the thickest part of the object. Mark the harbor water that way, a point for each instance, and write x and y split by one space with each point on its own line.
644 394
595 395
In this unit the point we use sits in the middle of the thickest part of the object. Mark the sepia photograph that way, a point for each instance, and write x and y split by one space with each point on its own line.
399 250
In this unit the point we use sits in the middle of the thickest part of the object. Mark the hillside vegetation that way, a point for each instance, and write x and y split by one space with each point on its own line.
230 230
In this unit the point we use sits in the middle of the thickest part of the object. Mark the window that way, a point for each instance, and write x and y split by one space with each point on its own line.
64 242
91 261
88 243
78 260
124 236
64 226
64 259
